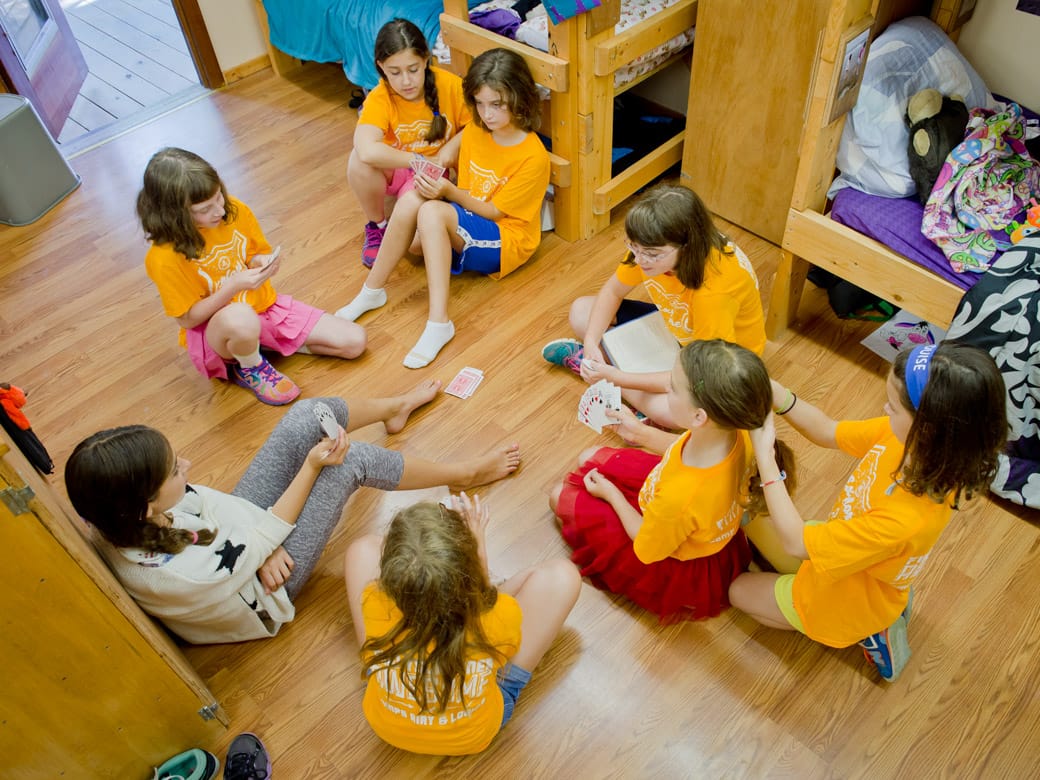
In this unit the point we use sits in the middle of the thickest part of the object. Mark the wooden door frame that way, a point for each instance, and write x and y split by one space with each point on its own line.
200 45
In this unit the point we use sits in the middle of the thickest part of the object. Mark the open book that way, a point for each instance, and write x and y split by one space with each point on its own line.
642 345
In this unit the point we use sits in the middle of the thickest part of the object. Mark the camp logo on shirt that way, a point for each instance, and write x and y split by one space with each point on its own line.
855 499
675 311
412 135
483 182
400 701
222 260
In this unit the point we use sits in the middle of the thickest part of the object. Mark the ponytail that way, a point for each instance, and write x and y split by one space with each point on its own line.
756 502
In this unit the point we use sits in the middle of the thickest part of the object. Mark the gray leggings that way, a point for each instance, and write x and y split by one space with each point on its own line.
281 458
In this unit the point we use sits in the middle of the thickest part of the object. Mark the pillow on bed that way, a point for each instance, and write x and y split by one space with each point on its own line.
911 55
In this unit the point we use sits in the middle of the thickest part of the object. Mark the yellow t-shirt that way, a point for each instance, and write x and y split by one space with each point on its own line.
514 179
692 512
405 123
726 306
182 282
877 539
461 729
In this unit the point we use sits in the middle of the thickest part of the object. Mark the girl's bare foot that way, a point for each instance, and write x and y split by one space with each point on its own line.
420 395
492 466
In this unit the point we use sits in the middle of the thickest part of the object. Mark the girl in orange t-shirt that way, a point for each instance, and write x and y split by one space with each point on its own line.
415 113
445 653
490 222
213 268
703 286
939 443
665 531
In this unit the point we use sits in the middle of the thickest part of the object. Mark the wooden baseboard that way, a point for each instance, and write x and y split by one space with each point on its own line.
239 72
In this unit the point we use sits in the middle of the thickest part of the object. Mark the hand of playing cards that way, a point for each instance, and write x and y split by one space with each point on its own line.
592 410
427 168
465 382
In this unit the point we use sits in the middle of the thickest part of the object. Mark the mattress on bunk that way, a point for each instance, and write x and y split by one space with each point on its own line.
535 32
896 223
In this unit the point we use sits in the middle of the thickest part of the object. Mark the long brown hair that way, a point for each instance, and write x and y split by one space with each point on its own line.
960 427
506 73
399 35
175 180
731 385
113 475
668 214
431 568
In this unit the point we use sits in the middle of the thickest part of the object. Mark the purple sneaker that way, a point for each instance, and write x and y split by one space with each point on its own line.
373 240
268 384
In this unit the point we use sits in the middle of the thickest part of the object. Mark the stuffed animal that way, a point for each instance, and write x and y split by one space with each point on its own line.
1020 230
937 124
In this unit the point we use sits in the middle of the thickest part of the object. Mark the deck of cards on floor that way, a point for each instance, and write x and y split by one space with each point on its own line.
465 382
592 410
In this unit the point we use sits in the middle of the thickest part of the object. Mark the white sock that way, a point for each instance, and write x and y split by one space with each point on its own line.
366 300
382 224
249 361
432 340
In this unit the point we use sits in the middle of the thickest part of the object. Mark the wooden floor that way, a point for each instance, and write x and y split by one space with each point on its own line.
138 64
618 696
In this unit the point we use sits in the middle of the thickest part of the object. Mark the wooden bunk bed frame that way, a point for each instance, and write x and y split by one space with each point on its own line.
579 72
812 237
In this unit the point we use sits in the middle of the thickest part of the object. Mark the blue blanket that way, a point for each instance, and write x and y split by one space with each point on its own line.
345 30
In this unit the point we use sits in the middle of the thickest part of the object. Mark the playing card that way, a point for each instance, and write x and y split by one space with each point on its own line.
428 168
592 409
326 419
465 382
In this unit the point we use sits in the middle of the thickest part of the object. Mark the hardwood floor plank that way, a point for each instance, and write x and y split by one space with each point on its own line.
617 695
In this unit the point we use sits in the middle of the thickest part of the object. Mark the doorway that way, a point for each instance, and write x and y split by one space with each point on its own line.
139 66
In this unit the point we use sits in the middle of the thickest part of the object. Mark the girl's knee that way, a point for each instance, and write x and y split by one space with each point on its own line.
579 314
564 578
554 496
586 455
434 214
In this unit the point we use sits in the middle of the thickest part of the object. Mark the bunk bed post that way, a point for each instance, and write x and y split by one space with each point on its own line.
563 132
817 150
460 61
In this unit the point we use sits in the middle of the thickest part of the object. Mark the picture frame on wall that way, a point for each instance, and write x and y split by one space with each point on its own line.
848 68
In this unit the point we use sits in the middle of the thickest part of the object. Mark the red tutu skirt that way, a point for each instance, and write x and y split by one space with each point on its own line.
673 590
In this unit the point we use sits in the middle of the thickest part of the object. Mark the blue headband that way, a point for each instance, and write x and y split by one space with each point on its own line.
917 367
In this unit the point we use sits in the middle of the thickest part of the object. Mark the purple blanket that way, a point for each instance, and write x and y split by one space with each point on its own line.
896 223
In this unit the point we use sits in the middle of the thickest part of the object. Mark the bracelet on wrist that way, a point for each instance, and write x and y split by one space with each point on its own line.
788 403
777 481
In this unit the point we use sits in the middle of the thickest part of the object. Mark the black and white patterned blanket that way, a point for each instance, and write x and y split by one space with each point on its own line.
1001 314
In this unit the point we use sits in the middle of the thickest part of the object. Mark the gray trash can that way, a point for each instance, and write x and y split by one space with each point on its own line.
34 176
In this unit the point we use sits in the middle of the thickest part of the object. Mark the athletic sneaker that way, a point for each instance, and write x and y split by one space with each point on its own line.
268 384
564 352
247 759
194 764
888 650
373 240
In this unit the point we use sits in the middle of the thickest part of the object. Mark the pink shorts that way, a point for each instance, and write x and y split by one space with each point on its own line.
284 328
403 181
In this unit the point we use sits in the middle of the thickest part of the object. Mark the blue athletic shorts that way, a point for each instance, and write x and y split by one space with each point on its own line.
483 244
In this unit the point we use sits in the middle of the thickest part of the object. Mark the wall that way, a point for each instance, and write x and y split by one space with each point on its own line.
235 31
996 41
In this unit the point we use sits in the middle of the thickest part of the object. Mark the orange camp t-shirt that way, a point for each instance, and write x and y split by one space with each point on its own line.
405 123
692 512
726 306
513 178
863 559
182 282
463 728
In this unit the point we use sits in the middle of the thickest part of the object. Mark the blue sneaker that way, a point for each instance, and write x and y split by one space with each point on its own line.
564 352
888 650
247 759
194 764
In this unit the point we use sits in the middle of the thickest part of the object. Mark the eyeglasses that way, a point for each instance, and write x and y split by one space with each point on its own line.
651 254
